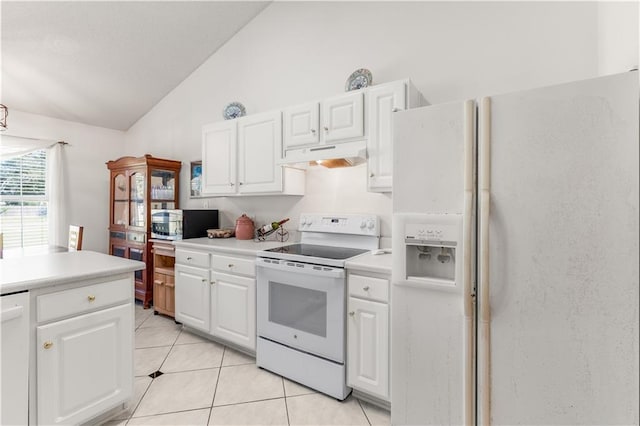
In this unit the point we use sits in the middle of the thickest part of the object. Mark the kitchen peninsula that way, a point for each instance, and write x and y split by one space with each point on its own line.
67 336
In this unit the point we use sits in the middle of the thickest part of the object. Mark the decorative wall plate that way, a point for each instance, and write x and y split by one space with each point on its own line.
359 79
233 110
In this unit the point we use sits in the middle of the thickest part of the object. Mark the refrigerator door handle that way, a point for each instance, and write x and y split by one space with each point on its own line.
484 338
467 268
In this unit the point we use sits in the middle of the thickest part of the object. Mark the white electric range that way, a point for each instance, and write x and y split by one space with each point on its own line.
301 300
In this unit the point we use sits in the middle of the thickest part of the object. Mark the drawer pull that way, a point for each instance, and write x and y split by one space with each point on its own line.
48 344
366 288
91 298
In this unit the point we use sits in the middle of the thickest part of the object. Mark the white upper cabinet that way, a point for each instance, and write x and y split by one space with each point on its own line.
219 158
301 125
382 101
242 156
245 156
260 147
343 117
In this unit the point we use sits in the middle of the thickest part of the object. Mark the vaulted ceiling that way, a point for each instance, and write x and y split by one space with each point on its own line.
106 63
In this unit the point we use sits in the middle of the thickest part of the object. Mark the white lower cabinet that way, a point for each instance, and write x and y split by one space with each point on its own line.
220 300
192 294
84 365
368 335
14 359
233 309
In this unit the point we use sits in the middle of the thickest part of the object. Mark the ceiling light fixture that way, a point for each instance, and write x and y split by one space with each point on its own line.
4 111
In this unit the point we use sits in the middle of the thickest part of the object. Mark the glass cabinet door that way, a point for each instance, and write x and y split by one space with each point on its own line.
163 189
136 205
120 200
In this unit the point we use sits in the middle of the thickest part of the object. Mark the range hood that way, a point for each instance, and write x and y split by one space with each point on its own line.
353 152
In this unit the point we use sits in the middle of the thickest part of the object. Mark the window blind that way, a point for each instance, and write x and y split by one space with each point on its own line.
23 200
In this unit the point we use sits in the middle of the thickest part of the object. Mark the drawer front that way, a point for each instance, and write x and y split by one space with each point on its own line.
78 300
369 287
234 265
192 258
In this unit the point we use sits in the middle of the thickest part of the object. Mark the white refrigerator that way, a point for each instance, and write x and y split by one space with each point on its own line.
515 277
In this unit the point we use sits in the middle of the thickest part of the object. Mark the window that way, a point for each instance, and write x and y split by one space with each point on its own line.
23 200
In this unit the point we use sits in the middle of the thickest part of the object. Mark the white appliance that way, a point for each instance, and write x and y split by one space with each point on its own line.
527 313
301 300
14 360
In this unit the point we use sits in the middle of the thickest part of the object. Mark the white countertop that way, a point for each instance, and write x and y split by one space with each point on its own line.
380 263
31 272
229 245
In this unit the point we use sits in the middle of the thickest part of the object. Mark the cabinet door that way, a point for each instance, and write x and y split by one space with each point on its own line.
300 125
343 117
192 295
84 365
368 346
120 196
259 148
233 309
382 101
159 292
219 158
169 294
14 359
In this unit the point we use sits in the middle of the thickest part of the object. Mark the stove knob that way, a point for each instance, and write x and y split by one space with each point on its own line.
303 221
309 221
370 224
363 224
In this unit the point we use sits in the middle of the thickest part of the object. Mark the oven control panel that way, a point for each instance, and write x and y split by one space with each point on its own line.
355 224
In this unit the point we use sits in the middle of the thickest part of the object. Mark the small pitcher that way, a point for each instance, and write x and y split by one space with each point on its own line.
244 228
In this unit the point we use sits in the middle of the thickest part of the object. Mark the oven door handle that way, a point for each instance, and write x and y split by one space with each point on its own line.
300 268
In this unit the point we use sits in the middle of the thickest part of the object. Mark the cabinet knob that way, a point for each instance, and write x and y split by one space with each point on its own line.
204 280
371 175
230 183
189 258
213 282
365 288
48 344
230 265
352 313
241 183
91 298
395 109
313 130
326 129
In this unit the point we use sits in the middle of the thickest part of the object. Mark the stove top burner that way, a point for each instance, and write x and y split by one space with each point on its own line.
312 250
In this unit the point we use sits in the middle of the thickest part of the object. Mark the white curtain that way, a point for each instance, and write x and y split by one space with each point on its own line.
15 146
56 187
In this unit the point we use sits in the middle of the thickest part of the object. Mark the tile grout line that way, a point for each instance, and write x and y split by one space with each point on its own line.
153 378
215 390
363 411
286 407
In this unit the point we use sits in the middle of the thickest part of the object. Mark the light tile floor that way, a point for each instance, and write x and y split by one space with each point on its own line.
206 383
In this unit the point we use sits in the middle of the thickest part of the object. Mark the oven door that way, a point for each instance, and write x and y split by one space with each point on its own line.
302 306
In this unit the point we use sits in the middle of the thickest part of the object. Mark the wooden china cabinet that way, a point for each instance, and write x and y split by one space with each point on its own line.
138 185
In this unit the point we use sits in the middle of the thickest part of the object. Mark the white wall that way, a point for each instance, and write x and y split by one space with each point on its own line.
89 149
618 36
297 51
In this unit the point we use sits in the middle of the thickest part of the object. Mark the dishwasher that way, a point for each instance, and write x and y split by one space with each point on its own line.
14 360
